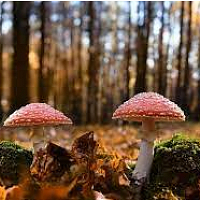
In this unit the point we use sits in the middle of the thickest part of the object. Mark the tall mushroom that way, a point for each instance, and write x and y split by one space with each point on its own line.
148 108
36 115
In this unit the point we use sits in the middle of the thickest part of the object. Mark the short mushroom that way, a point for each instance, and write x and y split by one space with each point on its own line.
37 115
148 108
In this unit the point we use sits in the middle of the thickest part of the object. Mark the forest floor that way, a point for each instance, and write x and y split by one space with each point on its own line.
121 140
118 141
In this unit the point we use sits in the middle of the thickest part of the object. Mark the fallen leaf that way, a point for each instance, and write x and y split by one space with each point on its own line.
2 193
14 193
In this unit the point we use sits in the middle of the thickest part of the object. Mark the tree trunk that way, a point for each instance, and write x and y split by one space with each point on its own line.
65 61
20 67
128 54
93 67
42 80
1 60
79 91
166 57
161 70
179 57
76 68
196 114
143 32
72 71
185 98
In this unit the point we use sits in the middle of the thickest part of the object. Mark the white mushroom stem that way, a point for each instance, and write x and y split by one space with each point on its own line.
40 141
146 154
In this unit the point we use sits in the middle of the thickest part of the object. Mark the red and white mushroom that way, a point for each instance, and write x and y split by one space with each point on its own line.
148 108
37 115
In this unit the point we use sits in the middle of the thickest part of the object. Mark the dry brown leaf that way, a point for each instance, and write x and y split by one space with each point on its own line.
84 147
86 167
14 193
2 193
56 192
123 180
51 163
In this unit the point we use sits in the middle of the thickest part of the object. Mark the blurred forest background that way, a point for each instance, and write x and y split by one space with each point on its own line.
86 58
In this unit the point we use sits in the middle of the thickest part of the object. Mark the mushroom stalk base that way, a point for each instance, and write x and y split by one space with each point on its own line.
145 159
144 162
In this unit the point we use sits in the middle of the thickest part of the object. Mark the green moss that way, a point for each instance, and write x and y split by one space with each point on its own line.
15 162
175 168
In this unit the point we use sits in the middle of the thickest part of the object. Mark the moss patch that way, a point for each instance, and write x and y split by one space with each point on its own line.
175 170
14 163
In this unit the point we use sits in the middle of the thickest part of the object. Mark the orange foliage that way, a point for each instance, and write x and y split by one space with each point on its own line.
84 172
56 192
14 193
2 193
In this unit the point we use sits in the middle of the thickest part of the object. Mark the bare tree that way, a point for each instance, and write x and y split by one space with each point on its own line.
93 66
69 99
79 88
186 83
20 67
128 53
143 32
72 78
42 80
196 114
179 57
161 64
1 58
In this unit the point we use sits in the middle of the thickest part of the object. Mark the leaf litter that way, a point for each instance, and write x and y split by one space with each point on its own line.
84 171
82 165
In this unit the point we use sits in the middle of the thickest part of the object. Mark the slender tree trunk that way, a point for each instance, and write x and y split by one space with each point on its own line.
166 57
42 80
128 54
79 91
142 48
161 70
73 71
20 67
196 115
165 76
155 70
99 51
186 83
77 74
93 67
1 60
65 61
179 57
55 78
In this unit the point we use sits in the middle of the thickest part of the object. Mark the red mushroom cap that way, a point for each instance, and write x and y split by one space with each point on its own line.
37 114
149 105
